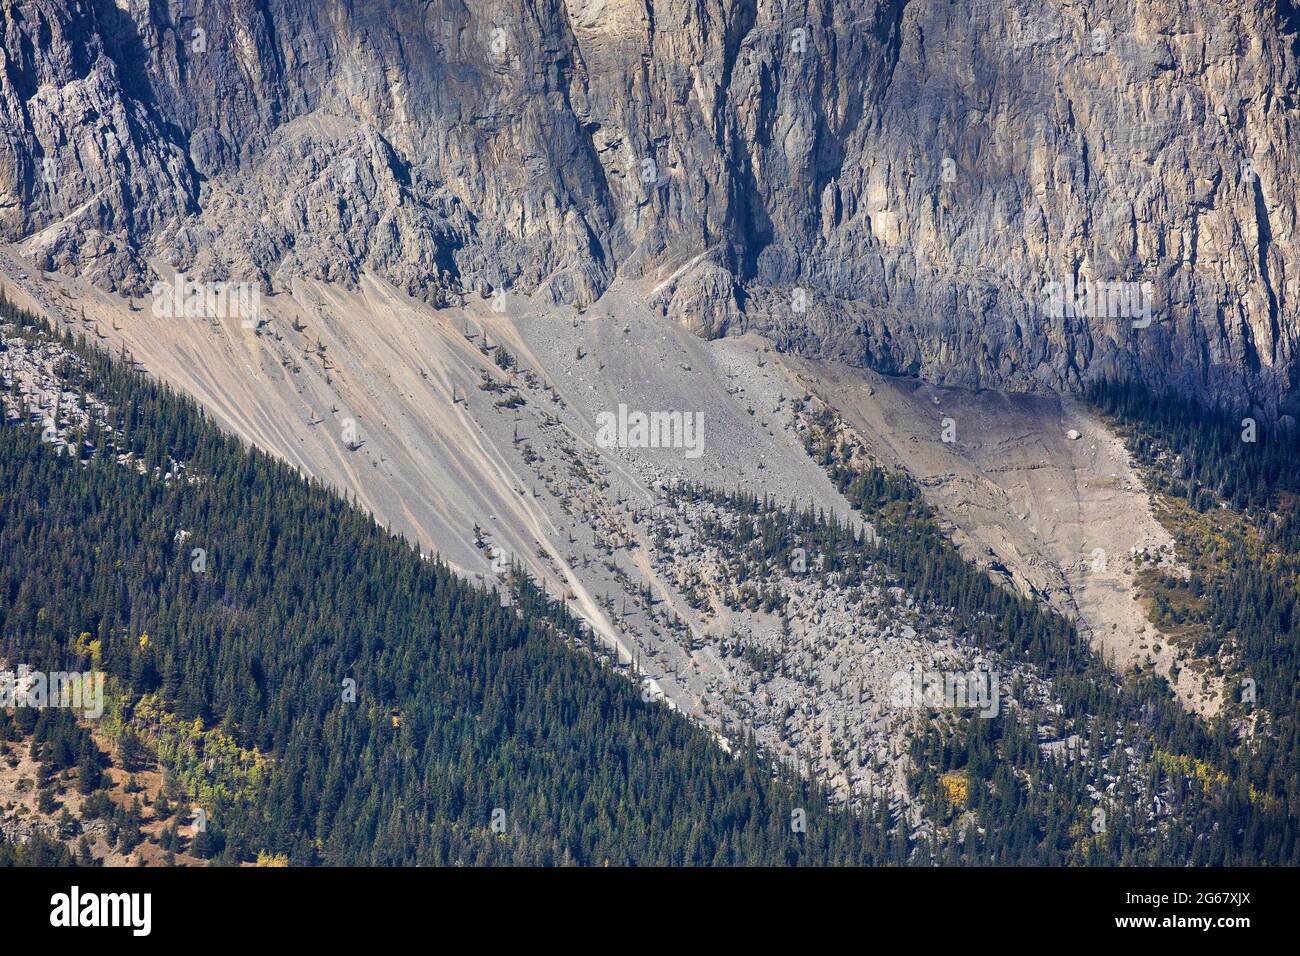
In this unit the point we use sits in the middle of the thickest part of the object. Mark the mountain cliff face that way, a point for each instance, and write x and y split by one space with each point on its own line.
906 185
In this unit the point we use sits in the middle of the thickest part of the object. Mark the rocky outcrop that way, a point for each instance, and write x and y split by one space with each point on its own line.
906 185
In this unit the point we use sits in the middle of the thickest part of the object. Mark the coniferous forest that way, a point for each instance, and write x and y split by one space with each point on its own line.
464 708
331 697
1172 789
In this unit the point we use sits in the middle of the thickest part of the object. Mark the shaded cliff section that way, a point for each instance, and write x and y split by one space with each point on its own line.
894 184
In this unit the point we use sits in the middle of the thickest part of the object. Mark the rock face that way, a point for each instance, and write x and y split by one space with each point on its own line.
1005 193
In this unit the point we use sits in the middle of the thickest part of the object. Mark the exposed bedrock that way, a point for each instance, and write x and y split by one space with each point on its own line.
905 185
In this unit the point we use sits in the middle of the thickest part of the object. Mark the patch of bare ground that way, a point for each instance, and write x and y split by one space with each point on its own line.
1038 490
74 816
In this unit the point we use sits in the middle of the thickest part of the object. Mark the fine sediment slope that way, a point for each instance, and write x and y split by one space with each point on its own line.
475 432
1038 490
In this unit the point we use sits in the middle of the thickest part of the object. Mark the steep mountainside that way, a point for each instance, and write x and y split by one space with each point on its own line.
469 732
891 183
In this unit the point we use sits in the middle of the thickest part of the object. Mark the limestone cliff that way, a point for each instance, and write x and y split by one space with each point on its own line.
896 183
